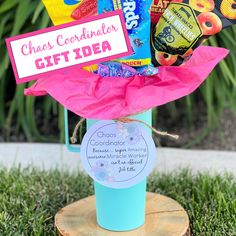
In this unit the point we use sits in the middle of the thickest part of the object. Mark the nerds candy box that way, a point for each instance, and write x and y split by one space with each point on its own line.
137 20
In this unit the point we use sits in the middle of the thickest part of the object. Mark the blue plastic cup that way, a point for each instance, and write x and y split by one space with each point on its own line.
122 209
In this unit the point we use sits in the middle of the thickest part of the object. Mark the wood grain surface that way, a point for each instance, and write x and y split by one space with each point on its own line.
164 217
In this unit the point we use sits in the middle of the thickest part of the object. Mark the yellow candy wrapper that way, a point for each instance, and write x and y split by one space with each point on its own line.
60 12
65 11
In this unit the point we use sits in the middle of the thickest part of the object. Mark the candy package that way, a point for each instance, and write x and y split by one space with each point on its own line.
85 8
117 69
63 12
66 11
157 9
137 19
147 70
185 25
60 11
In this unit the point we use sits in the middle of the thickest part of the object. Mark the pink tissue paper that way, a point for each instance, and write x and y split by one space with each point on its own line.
91 96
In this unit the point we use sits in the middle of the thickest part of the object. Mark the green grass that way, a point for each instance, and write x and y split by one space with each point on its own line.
29 199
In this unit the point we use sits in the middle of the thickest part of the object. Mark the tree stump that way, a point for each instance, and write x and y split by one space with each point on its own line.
164 217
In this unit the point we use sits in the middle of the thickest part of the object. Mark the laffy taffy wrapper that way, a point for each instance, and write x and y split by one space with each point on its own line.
92 96
185 25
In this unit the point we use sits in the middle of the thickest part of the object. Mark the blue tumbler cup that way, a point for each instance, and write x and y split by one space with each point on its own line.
121 209
118 209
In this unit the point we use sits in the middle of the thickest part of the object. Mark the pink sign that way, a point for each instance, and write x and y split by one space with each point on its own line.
89 41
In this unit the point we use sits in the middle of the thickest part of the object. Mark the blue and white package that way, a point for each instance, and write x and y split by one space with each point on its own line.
138 23
115 69
147 70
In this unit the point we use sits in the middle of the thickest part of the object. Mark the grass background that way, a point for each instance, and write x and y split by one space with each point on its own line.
30 198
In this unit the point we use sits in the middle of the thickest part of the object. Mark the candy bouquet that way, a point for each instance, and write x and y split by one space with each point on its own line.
167 63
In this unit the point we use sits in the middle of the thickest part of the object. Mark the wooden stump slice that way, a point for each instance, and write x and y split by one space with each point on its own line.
164 217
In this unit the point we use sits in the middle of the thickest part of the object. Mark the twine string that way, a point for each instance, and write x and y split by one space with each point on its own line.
124 120
73 139
157 132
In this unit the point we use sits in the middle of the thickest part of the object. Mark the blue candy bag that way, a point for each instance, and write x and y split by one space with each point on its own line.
138 23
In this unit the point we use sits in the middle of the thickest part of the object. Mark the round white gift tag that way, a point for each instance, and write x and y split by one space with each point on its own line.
116 154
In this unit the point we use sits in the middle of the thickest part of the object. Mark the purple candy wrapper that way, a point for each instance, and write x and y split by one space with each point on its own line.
115 68
147 70
128 71
103 70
